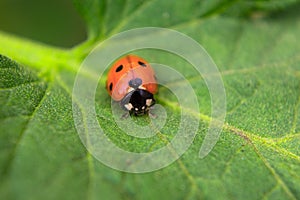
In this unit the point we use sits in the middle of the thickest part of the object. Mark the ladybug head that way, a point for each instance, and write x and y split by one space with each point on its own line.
138 101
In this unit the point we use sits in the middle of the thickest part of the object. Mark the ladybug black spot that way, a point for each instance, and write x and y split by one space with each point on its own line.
142 64
119 68
110 86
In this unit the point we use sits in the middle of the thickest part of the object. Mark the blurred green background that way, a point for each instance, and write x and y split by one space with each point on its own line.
35 19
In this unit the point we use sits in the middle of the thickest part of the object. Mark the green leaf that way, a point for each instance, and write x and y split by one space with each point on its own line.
256 157
104 18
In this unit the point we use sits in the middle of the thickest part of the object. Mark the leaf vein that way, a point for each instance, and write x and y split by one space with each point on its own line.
266 194
275 174
233 155
12 155
244 135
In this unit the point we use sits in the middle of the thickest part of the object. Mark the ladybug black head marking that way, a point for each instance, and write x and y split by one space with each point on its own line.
138 102
135 83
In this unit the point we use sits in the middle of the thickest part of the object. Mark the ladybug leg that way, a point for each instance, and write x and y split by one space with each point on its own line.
125 115
151 114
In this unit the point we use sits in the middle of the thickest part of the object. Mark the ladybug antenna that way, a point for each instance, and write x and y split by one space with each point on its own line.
135 83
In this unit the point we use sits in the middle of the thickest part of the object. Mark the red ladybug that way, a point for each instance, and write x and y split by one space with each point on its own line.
132 82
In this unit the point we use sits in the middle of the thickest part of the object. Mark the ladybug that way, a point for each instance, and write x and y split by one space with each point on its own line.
131 81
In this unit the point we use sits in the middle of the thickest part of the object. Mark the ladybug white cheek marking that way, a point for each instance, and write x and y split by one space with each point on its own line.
148 102
135 82
128 106
141 87
130 89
